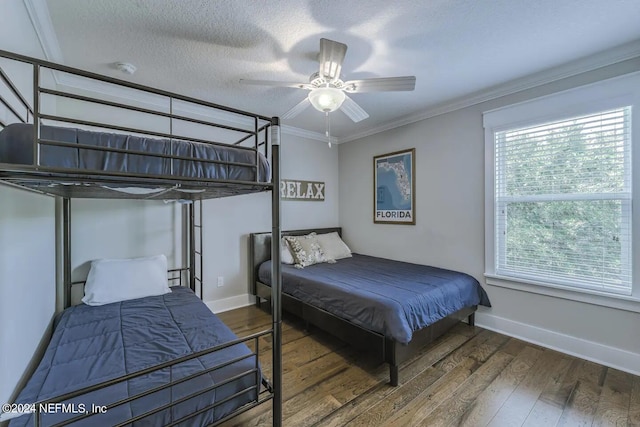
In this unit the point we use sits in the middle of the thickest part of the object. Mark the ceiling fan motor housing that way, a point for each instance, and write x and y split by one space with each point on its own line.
316 80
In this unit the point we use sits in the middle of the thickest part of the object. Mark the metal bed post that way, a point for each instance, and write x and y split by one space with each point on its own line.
66 250
266 146
256 131
36 115
276 286
192 248
196 252
171 133
200 252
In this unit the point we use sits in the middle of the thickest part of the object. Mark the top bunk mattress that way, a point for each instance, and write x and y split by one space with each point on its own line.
16 147
92 344
393 298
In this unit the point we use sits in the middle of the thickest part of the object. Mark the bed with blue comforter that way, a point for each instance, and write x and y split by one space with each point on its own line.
389 297
92 344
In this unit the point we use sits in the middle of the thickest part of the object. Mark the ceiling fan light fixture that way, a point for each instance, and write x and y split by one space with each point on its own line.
328 91
326 99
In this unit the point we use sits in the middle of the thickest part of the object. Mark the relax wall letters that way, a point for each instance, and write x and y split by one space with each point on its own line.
311 191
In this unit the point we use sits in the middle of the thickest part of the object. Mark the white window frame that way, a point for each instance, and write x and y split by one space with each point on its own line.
584 100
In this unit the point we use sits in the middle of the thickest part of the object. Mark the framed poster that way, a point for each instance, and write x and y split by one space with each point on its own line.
394 199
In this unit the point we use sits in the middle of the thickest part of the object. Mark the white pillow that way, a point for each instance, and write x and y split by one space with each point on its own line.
112 280
285 252
333 246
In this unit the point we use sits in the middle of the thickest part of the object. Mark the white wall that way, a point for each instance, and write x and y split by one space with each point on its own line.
27 281
122 229
229 221
27 237
449 230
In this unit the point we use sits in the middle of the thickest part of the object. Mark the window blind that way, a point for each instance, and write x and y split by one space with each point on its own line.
563 202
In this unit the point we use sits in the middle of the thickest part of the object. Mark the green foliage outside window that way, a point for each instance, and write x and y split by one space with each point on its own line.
562 199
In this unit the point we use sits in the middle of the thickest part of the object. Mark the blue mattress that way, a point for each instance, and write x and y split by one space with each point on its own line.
16 147
389 297
94 344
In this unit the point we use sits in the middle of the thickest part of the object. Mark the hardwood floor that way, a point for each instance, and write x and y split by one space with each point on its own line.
469 377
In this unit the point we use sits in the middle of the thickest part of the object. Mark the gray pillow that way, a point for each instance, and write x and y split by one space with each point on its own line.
306 250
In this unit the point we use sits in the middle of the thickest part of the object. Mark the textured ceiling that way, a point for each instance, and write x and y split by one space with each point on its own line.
455 48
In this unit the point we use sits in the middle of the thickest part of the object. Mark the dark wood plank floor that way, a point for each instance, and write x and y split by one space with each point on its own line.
469 377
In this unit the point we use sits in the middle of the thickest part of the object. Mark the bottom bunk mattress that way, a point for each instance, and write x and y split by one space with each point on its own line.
389 297
93 344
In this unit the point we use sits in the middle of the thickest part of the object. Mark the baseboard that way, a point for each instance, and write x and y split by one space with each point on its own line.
605 355
226 304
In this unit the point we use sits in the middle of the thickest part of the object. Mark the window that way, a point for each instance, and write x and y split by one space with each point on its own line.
559 189
563 201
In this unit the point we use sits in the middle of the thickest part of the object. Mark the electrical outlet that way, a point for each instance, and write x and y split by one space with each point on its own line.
220 281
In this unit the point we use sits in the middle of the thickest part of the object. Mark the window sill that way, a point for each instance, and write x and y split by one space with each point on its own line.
620 302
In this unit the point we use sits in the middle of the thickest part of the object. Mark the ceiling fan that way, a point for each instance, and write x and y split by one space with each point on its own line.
328 92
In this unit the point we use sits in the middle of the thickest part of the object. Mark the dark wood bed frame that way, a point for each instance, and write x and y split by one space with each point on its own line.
388 350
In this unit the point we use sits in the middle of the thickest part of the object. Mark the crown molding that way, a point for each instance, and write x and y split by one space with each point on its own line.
303 133
573 68
40 17
109 90
41 20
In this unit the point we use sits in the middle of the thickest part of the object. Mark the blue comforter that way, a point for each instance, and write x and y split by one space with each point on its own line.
16 146
389 297
93 344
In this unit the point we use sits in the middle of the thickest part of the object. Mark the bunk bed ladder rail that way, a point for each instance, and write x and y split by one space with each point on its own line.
195 225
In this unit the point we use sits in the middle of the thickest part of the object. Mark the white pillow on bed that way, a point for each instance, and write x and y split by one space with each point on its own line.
285 252
113 280
333 246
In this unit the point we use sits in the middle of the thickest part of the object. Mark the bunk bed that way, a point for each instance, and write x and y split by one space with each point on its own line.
390 309
165 358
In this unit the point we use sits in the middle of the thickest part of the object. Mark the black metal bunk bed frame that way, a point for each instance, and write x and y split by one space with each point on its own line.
67 183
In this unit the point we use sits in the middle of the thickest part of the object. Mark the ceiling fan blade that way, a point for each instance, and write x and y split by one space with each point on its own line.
297 109
353 110
276 83
404 83
331 57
